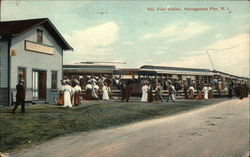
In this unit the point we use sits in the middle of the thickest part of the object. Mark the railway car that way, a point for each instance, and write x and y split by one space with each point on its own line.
180 77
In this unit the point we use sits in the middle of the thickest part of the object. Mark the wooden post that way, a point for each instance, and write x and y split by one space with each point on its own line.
0 9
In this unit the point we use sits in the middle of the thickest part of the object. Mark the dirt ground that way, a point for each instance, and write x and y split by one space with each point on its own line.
217 130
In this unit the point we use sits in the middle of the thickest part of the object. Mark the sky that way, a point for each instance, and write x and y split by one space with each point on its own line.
147 32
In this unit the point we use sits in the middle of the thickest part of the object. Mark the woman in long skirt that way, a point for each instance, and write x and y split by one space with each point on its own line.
150 94
191 92
61 93
88 91
105 92
60 98
210 92
67 95
77 93
144 97
199 93
205 91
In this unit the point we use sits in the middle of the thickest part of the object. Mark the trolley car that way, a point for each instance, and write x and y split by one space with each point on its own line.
181 76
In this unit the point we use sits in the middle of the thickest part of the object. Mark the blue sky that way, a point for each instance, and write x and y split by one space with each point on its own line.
130 32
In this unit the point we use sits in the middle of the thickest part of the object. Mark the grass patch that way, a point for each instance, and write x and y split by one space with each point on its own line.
44 122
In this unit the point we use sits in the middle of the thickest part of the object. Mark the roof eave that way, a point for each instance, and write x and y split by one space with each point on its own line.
68 47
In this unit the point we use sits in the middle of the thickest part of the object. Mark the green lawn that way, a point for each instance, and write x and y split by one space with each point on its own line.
45 122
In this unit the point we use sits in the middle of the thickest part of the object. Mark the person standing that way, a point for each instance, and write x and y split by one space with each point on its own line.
171 92
88 90
241 91
150 93
199 92
20 97
127 91
105 91
158 92
67 94
245 90
230 91
61 93
191 92
77 93
205 91
210 92
144 97
186 90
122 87
95 89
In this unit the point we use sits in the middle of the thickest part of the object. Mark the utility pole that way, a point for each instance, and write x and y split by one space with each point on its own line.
210 60
0 10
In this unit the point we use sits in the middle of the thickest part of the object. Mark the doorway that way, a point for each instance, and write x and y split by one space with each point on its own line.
39 79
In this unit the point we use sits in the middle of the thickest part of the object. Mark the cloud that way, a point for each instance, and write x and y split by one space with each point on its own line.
179 31
162 48
158 52
217 36
229 55
127 43
241 40
94 40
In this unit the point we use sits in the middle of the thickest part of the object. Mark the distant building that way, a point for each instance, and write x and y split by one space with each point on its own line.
31 50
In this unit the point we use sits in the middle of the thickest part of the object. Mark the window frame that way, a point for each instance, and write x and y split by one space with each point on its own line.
54 80
39 33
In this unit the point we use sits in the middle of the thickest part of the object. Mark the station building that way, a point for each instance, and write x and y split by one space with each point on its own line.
31 50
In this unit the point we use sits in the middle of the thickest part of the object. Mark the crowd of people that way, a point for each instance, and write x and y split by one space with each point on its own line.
71 91
99 88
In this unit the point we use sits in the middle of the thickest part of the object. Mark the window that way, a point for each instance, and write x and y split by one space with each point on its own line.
54 80
39 36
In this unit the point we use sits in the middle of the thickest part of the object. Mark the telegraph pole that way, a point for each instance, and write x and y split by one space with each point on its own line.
0 10
210 60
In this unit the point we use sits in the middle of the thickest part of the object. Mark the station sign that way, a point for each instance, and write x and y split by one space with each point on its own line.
37 47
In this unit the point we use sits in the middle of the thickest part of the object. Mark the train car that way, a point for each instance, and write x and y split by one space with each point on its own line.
76 70
164 75
218 80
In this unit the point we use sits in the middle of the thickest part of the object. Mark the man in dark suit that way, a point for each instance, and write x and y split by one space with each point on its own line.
122 87
20 97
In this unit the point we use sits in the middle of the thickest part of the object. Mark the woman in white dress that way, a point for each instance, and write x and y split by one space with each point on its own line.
173 92
144 97
210 92
95 89
105 92
67 95
191 92
205 91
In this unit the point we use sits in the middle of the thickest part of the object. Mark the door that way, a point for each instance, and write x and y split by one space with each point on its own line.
39 80
35 85
42 85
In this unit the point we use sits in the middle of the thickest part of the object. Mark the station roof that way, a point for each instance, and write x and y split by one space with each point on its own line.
176 70
10 29
88 68
230 75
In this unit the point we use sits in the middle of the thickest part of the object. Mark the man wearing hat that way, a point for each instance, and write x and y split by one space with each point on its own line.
20 97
